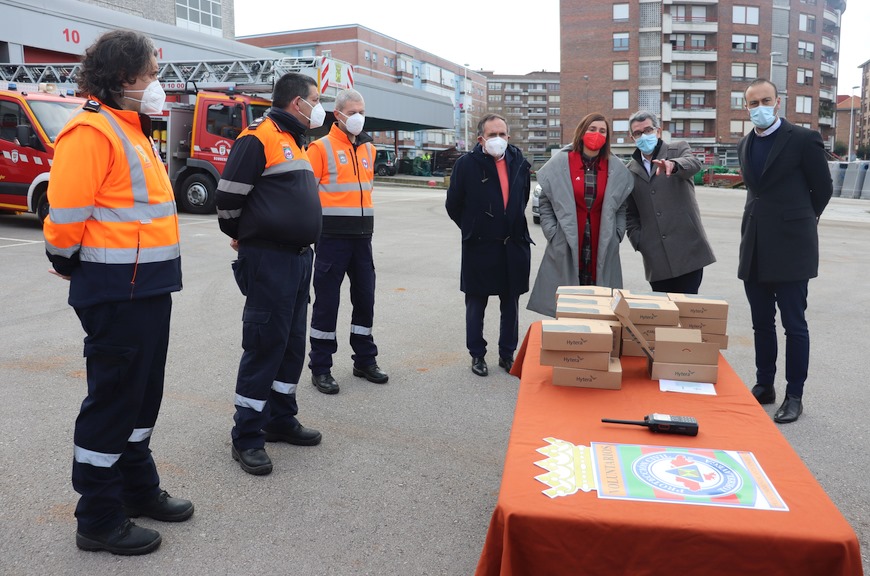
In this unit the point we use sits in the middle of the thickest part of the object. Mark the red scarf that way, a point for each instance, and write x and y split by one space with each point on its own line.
578 181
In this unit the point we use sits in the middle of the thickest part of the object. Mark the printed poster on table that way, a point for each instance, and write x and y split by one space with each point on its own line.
699 476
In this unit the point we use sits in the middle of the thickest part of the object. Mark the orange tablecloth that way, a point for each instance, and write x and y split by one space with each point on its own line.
580 534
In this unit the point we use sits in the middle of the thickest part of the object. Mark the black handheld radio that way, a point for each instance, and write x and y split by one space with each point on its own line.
685 425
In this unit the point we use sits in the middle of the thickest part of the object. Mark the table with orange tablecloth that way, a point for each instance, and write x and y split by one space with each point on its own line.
580 534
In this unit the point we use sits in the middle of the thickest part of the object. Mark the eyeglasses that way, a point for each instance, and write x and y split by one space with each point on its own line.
647 130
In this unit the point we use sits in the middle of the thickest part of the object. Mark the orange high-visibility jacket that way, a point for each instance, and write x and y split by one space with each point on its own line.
346 172
112 224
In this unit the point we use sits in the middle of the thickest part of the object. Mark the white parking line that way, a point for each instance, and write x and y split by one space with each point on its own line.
19 242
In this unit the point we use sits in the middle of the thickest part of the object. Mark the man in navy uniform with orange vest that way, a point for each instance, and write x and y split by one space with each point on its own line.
112 231
343 163
267 203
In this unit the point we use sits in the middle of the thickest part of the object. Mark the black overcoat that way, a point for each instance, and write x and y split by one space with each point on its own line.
496 252
780 219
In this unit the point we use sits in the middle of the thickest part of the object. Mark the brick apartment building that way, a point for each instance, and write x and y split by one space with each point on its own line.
385 58
848 110
690 61
862 138
531 105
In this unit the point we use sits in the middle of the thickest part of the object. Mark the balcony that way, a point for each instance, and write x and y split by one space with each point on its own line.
695 138
689 24
826 121
830 42
829 68
698 83
826 94
683 2
686 53
832 17
692 112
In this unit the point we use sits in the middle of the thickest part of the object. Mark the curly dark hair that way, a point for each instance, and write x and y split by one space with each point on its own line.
116 58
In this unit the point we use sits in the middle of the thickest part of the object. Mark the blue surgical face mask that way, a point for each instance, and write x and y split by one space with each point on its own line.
762 116
647 143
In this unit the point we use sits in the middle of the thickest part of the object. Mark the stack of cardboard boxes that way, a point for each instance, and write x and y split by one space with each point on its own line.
580 352
709 315
648 311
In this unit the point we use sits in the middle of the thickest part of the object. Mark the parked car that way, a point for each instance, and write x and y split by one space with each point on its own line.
385 163
536 209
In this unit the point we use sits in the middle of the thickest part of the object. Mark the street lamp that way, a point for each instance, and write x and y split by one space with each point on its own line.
586 77
465 106
851 155
772 54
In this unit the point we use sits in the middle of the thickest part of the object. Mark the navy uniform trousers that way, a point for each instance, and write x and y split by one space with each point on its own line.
125 348
276 282
335 258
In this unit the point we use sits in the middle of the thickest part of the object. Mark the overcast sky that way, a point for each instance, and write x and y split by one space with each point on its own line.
507 37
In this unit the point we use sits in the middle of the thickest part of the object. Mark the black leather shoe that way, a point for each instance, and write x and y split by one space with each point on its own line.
253 460
789 411
372 374
125 540
478 366
506 363
162 507
764 394
300 436
325 383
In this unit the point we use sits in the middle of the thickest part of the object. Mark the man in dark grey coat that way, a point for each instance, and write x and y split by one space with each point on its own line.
788 185
663 221
487 198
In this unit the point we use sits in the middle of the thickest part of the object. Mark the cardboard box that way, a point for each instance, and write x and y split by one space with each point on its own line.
695 306
706 325
575 359
658 312
610 379
630 347
580 335
641 295
587 290
583 300
616 328
564 310
721 340
684 346
684 372
648 331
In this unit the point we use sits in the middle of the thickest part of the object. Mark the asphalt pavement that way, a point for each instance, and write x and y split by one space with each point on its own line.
408 473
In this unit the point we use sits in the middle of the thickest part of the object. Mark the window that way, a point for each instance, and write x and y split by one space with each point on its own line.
696 127
699 41
805 76
224 120
553 87
807 23
678 41
620 11
375 58
199 15
11 115
554 122
620 70
806 50
744 42
555 111
386 61
368 55
620 41
740 127
738 100
620 126
804 104
697 100
744 71
495 85
678 100
555 99
620 99
554 134
494 97
744 14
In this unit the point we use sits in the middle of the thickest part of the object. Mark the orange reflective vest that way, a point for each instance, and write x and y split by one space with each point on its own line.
346 172
112 224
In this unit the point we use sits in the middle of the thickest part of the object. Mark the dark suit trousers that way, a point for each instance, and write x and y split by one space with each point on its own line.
686 284
791 298
508 335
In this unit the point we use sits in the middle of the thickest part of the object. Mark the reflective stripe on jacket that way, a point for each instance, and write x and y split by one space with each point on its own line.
346 173
112 224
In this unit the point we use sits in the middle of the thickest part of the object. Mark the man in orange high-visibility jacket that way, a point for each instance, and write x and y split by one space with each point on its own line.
343 162
112 231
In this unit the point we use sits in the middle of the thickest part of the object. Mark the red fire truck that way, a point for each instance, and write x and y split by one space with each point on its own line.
209 104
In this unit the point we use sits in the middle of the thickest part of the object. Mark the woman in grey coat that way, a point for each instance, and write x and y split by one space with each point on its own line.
583 183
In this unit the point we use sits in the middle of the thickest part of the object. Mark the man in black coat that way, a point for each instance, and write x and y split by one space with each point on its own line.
788 185
487 198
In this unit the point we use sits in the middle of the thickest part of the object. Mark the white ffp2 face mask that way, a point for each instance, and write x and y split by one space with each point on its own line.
318 115
153 98
354 123
495 147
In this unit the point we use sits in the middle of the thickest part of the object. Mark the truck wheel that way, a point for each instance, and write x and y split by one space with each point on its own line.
197 194
382 170
42 206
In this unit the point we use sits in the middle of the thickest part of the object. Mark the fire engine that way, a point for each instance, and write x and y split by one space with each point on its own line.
208 105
